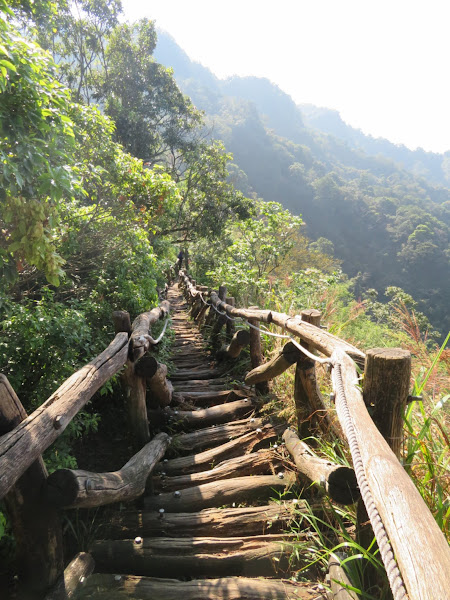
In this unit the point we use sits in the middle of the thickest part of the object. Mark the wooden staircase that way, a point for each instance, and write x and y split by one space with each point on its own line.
208 529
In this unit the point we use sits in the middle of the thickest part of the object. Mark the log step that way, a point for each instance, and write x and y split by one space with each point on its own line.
266 555
213 436
206 460
253 520
220 493
192 373
222 413
262 462
122 587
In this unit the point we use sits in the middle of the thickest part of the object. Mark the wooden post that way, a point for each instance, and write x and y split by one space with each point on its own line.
230 324
122 321
386 388
220 319
304 369
136 390
155 374
256 357
36 525
240 340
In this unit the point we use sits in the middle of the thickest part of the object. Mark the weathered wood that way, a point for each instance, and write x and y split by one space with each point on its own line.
230 324
160 388
26 442
419 545
139 340
239 341
75 575
307 421
340 582
283 359
263 462
256 357
122 321
81 489
386 388
218 493
214 415
212 436
135 391
252 556
187 374
123 587
207 459
206 398
227 522
338 481
36 526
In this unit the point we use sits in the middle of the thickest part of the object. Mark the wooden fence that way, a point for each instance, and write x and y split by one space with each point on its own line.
32 498
413 548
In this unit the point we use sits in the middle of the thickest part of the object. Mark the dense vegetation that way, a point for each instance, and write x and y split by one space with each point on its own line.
107 169
390 226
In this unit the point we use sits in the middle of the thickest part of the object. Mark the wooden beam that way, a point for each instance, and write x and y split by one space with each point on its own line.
285 357
227 522
218 493
123 587
28 440
338 481
214 415
419 545
139 340
83 489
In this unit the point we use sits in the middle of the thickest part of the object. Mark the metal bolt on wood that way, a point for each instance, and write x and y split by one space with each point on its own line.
138 540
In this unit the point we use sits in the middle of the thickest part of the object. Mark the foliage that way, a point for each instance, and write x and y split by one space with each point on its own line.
36 143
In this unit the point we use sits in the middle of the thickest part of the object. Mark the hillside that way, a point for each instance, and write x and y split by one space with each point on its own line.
389 226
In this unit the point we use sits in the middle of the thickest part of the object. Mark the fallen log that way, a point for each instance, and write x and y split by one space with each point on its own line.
75 574
218 493
194 463
28 440
124 587
252 556
263 462
227 522
212 436
338 481
209 416
81 489
285 358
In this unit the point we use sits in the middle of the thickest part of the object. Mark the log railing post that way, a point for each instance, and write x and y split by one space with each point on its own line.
220 320
230 324
386 388
305 386
36 524
256 356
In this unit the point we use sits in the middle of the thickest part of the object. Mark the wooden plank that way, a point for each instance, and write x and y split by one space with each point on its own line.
219 493
226 522
82 489
256 463
235 447
26 442
252 556
208 416
124 587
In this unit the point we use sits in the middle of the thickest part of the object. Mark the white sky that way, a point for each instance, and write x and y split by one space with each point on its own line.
383 64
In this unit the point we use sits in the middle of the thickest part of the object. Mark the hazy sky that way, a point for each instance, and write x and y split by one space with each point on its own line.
383 64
